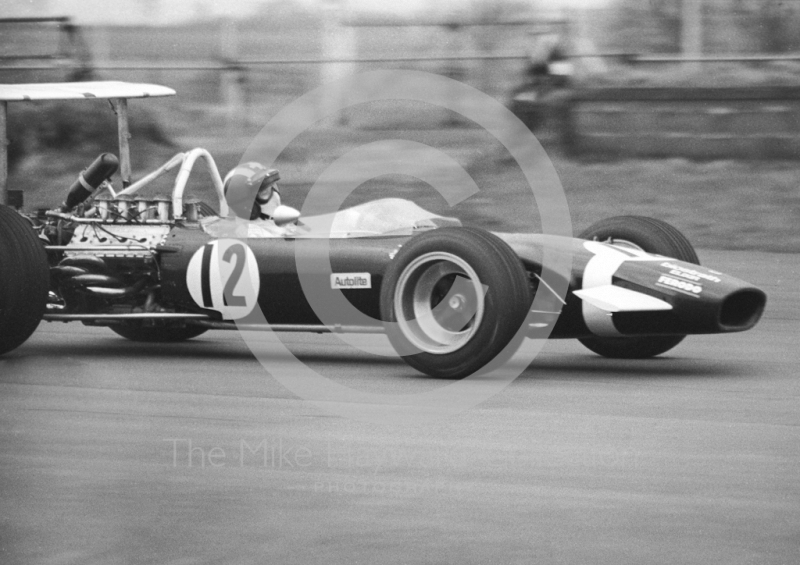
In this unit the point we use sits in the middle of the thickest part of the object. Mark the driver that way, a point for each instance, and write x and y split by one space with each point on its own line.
252 191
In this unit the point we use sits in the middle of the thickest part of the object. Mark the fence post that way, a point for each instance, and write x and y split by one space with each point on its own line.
692 31
338 45
3 153
232 78
455 70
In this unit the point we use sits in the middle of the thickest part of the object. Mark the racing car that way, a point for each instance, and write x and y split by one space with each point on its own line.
450 298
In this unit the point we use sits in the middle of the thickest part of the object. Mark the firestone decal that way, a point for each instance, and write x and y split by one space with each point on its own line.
688 273
681 285
351 280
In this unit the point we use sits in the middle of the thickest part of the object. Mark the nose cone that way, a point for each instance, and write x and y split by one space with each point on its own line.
702 300
741 310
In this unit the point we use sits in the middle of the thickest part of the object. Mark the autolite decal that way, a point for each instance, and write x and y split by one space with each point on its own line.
690 274
683 286
351 280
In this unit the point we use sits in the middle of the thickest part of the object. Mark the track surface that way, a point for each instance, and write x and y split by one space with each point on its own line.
691 458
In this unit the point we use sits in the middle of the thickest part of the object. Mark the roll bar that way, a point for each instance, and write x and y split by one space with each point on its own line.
186 160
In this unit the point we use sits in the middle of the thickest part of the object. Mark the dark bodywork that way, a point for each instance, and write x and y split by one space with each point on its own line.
722 304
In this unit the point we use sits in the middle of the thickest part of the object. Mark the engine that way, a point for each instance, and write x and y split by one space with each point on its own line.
103 250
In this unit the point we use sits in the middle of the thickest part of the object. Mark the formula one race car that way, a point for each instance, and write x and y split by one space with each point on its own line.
449 297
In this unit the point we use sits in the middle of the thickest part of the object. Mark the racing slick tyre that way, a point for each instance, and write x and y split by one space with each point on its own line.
157 334
652 236
24 280
452 299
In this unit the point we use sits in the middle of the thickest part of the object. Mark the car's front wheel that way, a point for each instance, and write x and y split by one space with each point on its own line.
653 236
452 299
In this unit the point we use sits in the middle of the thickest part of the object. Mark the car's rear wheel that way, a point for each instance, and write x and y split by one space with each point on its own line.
653 236
453 299
157 334
24 280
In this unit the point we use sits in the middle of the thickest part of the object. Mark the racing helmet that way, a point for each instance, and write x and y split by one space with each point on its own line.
252 191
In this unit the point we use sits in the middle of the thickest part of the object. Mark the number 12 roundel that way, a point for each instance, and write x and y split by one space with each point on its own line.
223 276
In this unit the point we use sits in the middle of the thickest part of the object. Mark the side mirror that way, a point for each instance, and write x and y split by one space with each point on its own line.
285 215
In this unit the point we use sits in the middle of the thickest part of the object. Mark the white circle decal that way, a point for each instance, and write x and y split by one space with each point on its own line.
223 276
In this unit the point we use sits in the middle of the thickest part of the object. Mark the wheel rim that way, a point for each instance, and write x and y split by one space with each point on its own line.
439 302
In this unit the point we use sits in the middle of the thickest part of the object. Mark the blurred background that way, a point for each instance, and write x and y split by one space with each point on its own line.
688 110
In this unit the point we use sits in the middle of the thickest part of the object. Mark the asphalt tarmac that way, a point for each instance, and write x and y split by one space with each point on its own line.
113 452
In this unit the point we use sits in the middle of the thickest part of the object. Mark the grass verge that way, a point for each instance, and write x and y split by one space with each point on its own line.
718 205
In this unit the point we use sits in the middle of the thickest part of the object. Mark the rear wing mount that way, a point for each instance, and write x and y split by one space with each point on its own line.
116 92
